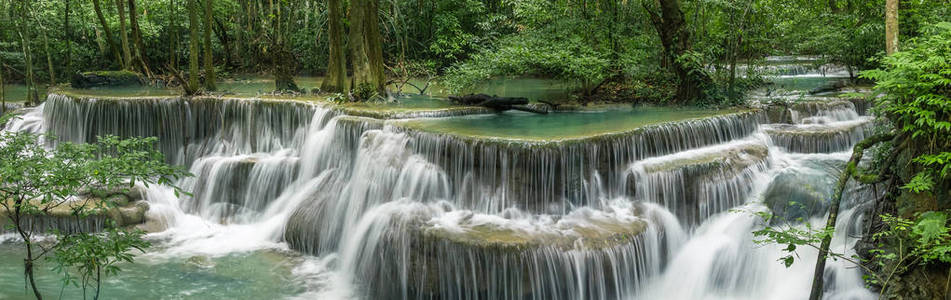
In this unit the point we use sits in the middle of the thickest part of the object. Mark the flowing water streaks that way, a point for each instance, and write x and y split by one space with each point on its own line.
395 211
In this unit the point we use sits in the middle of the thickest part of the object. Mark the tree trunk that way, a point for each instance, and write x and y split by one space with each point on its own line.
69 40
209 62
850 169
107 32
671 27
124 37
49 56
172 36
365 50
3 100
222 33
336 79
139 53
192 44
891 26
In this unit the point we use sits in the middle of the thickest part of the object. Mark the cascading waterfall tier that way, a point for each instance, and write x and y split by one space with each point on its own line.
490 175
408 213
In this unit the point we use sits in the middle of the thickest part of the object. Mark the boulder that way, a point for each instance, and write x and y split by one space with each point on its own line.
802 192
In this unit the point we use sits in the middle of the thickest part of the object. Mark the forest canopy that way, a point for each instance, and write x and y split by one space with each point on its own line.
589 44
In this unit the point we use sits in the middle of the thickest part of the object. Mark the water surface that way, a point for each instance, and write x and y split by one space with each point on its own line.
560 125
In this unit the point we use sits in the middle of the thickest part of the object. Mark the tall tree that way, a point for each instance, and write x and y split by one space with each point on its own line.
209 62
336 79
674 37
283 62
138 54
69 39
891 26
172 36
365 49
192 44
124 36
107 32
23 30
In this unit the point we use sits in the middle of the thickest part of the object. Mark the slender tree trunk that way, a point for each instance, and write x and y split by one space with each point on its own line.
337 66
49 56
124 37
69 40
891 26
3 99
25 40
209 62
850 169
139 53
107 32
172 36
671 27
193 44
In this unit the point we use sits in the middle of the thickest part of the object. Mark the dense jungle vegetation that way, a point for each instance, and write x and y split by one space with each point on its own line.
653 51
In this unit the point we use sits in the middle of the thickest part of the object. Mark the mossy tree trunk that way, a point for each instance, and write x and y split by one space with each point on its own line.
366 54
283 62
675 39
124 37
209 61
192 44
336 79
851 169
107 32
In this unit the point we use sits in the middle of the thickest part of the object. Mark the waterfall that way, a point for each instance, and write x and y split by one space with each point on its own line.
394 212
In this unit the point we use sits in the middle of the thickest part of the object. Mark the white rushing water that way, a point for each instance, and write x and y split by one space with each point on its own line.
665 213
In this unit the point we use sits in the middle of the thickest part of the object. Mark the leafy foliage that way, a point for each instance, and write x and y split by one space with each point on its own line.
567 58
917 87
34 180
84 258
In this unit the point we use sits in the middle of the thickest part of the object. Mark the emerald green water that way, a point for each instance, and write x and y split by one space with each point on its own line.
558 125
263 274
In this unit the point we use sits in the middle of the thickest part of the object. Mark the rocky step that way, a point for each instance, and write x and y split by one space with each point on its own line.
819 138
122 208
464 255
799 112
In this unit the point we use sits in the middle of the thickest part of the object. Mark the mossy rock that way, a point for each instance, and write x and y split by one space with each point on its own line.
97 212
92 79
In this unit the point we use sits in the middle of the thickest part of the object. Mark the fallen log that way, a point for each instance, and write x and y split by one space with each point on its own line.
496 102
488 101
